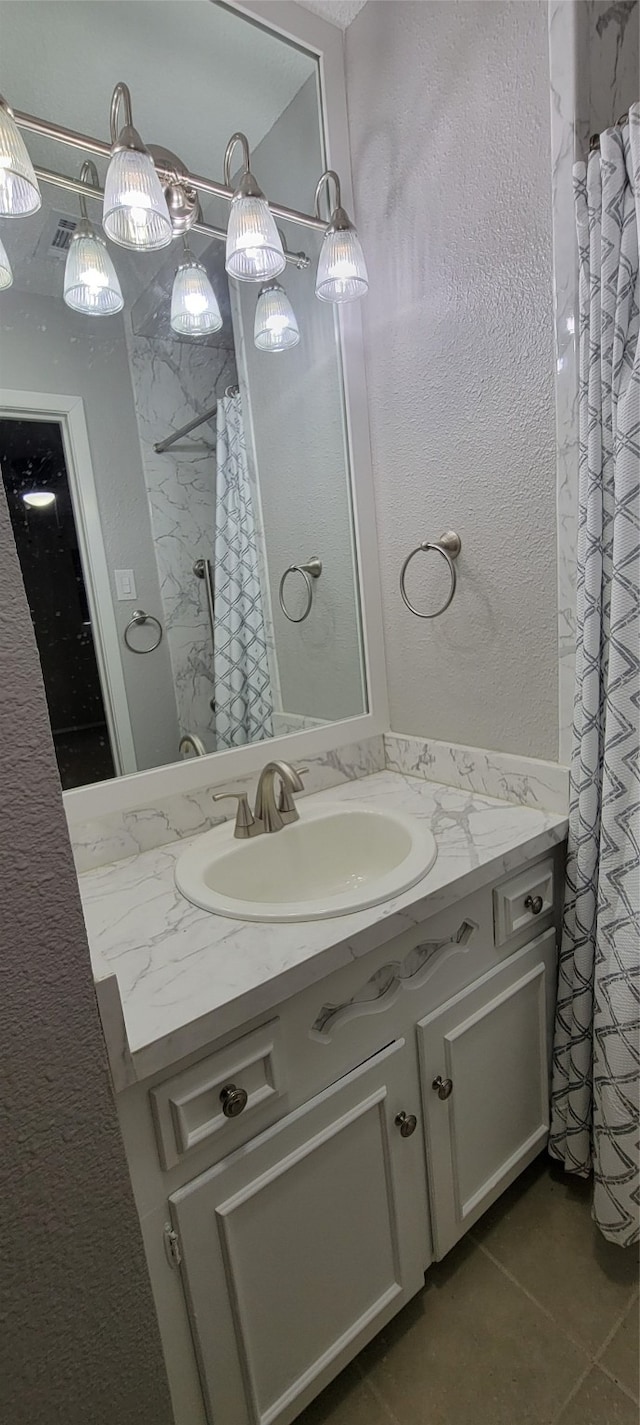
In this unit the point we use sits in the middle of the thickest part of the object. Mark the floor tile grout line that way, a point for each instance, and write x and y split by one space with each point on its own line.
594 1355
377 1395
614 1379
616 1327
557 1419
530 1297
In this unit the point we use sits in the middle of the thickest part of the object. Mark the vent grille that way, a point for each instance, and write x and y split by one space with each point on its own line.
61 240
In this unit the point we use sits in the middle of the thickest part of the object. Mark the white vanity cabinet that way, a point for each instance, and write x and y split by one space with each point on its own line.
300 1246
282 1239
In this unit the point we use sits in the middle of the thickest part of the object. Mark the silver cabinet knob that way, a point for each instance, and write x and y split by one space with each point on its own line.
407 1123
233 1100
534 904
443 1087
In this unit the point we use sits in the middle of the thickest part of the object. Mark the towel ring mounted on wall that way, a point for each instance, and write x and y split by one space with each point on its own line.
311 570
448 546
137 619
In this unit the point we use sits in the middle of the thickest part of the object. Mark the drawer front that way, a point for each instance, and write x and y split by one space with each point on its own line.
523 901
189 1109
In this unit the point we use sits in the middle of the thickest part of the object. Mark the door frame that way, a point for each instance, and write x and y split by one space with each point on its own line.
69 413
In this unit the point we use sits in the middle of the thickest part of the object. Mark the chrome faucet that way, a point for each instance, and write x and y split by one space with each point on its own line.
269 815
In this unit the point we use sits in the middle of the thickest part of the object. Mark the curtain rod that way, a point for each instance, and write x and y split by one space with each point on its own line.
73 139
594 141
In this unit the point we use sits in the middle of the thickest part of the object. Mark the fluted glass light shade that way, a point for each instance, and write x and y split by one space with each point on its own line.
254 248
91 283
19 191
6 275
135 212
342 270
275 327
194 305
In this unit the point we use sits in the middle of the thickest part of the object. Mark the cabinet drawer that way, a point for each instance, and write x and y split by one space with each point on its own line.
522 901
188 1108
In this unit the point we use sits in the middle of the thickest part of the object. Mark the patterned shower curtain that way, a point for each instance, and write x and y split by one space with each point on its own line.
595 1108
241 669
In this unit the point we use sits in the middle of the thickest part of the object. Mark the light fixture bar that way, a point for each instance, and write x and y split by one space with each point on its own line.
60 134
87 190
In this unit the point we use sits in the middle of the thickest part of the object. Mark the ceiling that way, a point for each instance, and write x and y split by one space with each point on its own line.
339 12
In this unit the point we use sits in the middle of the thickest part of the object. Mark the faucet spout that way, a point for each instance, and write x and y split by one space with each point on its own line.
268 812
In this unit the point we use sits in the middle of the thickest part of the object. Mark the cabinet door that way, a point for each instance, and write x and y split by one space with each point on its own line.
303 1243
489 1046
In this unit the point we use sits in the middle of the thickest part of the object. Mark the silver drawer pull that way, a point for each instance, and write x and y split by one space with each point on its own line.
443 1087
233 1100
534 904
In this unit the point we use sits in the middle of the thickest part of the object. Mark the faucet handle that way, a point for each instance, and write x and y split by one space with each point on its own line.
286 804
246 824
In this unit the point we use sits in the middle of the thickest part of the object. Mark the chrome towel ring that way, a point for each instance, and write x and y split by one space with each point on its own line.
139 617
448 546
311 570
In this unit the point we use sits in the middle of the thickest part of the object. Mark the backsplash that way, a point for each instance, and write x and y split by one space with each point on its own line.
119 834
522 780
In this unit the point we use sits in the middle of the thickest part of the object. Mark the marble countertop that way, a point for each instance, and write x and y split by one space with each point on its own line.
185 977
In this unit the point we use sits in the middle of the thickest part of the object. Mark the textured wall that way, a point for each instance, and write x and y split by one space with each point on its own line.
78 1338
46 347
449 119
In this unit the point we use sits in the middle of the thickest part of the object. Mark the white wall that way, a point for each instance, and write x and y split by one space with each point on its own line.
46 347
295 400
449 120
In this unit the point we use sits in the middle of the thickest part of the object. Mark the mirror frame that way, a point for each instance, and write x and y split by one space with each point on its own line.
124 793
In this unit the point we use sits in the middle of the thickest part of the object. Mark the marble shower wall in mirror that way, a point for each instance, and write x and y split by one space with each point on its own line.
262 483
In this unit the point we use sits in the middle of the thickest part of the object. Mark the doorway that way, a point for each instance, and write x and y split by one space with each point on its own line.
36 483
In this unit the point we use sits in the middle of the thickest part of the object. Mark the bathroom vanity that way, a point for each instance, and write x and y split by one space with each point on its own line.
314 1112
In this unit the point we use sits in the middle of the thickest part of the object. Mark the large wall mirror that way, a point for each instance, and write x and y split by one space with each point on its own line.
161 480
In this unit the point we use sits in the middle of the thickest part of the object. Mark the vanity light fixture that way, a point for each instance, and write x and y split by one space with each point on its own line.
91 283
342 271
254 248
194 305
19 191
275 327
6 275
135 212
39 499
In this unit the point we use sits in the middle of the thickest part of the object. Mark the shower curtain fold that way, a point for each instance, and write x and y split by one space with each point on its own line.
243 698
595 1121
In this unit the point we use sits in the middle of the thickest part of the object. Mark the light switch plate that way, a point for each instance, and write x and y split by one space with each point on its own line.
125 584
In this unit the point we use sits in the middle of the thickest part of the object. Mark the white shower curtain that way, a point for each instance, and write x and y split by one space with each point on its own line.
242 686
595 1108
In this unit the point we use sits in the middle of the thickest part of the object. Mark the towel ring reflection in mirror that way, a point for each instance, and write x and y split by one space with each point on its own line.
448 546
311 570
138 618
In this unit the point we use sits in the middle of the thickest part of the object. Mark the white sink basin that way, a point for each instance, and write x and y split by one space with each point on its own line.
335 859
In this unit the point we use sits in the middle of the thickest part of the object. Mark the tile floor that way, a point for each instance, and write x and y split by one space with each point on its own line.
531 1320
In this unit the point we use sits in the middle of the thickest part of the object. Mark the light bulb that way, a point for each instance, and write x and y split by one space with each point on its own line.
275 327
91 283
39 499
6 275
194 305
19 191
